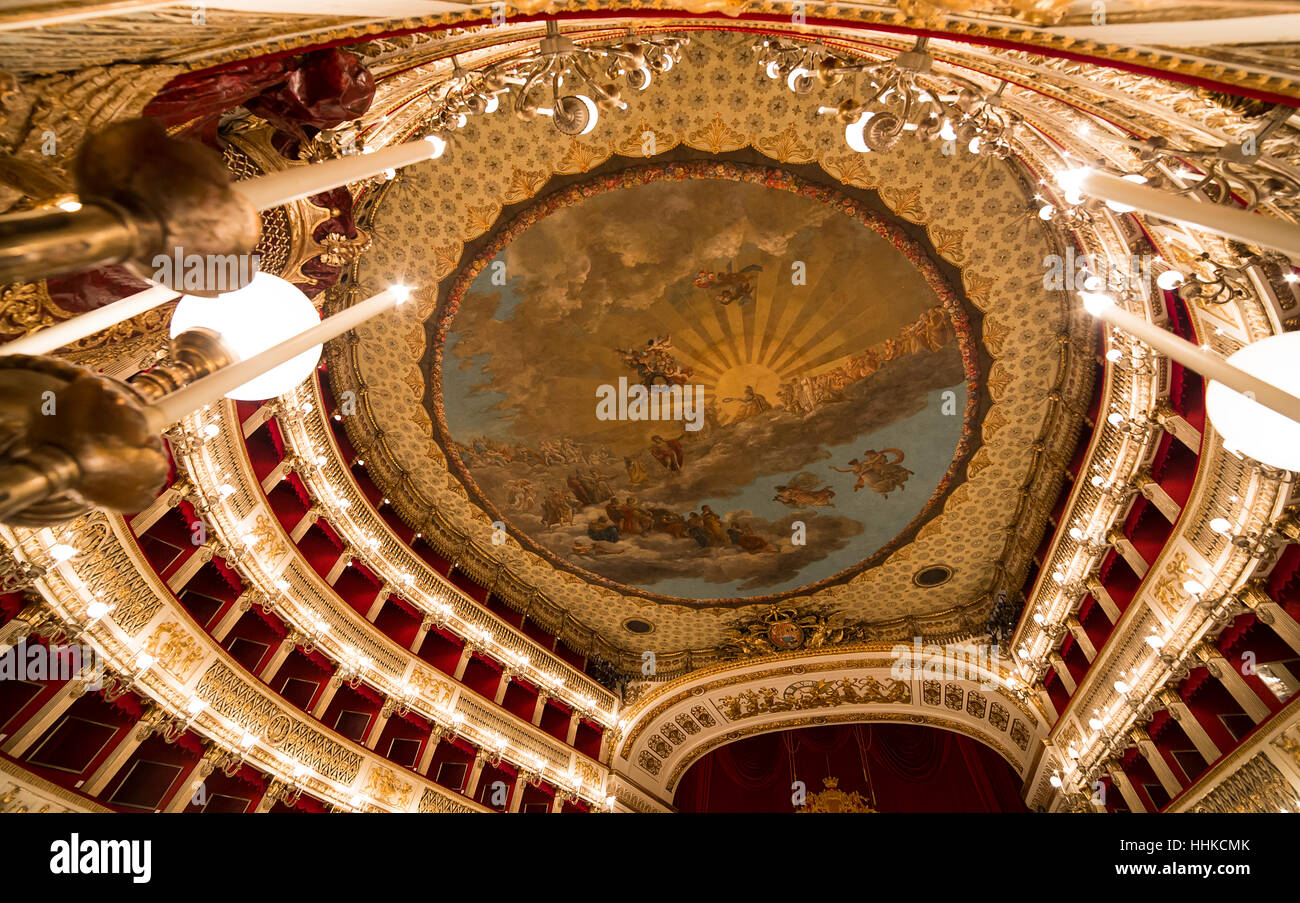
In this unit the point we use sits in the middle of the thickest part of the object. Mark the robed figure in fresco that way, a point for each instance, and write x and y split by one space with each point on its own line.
728 287
877 471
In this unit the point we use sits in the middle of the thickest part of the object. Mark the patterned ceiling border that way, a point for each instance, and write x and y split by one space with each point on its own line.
1196 67
647 710
1033 376
453 292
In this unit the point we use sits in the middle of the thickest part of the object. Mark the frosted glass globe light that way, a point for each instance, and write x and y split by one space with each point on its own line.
853 134
1245 424
259 316
592 113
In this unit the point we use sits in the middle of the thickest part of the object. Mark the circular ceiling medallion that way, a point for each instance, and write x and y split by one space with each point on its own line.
703 381
637 625
934 575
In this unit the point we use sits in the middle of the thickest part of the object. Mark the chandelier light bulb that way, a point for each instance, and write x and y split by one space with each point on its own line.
1193 586
1170 280
1046 212
774 69
1071 182
439 145
96 610
61 552
1095 723
1055 781
592 112
1155 640
853 134
1220 525
1114 355
1096 302
1121 687
253 319
1245 424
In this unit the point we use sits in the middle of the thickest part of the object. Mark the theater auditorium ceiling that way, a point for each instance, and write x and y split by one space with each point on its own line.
745 341
847 318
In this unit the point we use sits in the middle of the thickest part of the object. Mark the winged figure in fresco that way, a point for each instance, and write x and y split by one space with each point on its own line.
728 287
656 361
877 471
802 492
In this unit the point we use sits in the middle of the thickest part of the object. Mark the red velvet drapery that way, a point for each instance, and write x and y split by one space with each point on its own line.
904 767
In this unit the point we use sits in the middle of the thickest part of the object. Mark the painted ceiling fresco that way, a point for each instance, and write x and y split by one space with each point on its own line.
703 381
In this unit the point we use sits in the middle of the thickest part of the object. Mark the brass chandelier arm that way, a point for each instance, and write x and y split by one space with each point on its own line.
72 439
555 65
145 195
44 243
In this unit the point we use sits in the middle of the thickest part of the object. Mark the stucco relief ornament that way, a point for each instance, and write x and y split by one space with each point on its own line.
783 629
1039 12
833 799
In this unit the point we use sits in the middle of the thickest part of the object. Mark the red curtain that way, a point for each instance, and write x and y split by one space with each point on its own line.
901 767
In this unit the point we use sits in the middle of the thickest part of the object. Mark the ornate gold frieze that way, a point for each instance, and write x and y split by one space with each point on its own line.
258 714
1257 786
833 799
175 650
385 786
815 694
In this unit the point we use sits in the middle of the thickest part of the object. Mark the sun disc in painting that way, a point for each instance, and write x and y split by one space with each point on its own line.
797 425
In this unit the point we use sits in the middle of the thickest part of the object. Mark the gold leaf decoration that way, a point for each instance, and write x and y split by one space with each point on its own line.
717 137
523 184
479 219
999 379
580 158
979 462
415 382
904 201
977 289
851 169
786 147
993 421
645 141
948 243
994 333
445 258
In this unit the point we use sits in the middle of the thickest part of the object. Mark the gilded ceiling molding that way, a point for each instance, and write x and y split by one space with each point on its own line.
235 36
388 468
664 733
657 698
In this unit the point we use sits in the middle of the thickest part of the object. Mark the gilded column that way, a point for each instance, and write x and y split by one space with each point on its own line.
1223 671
